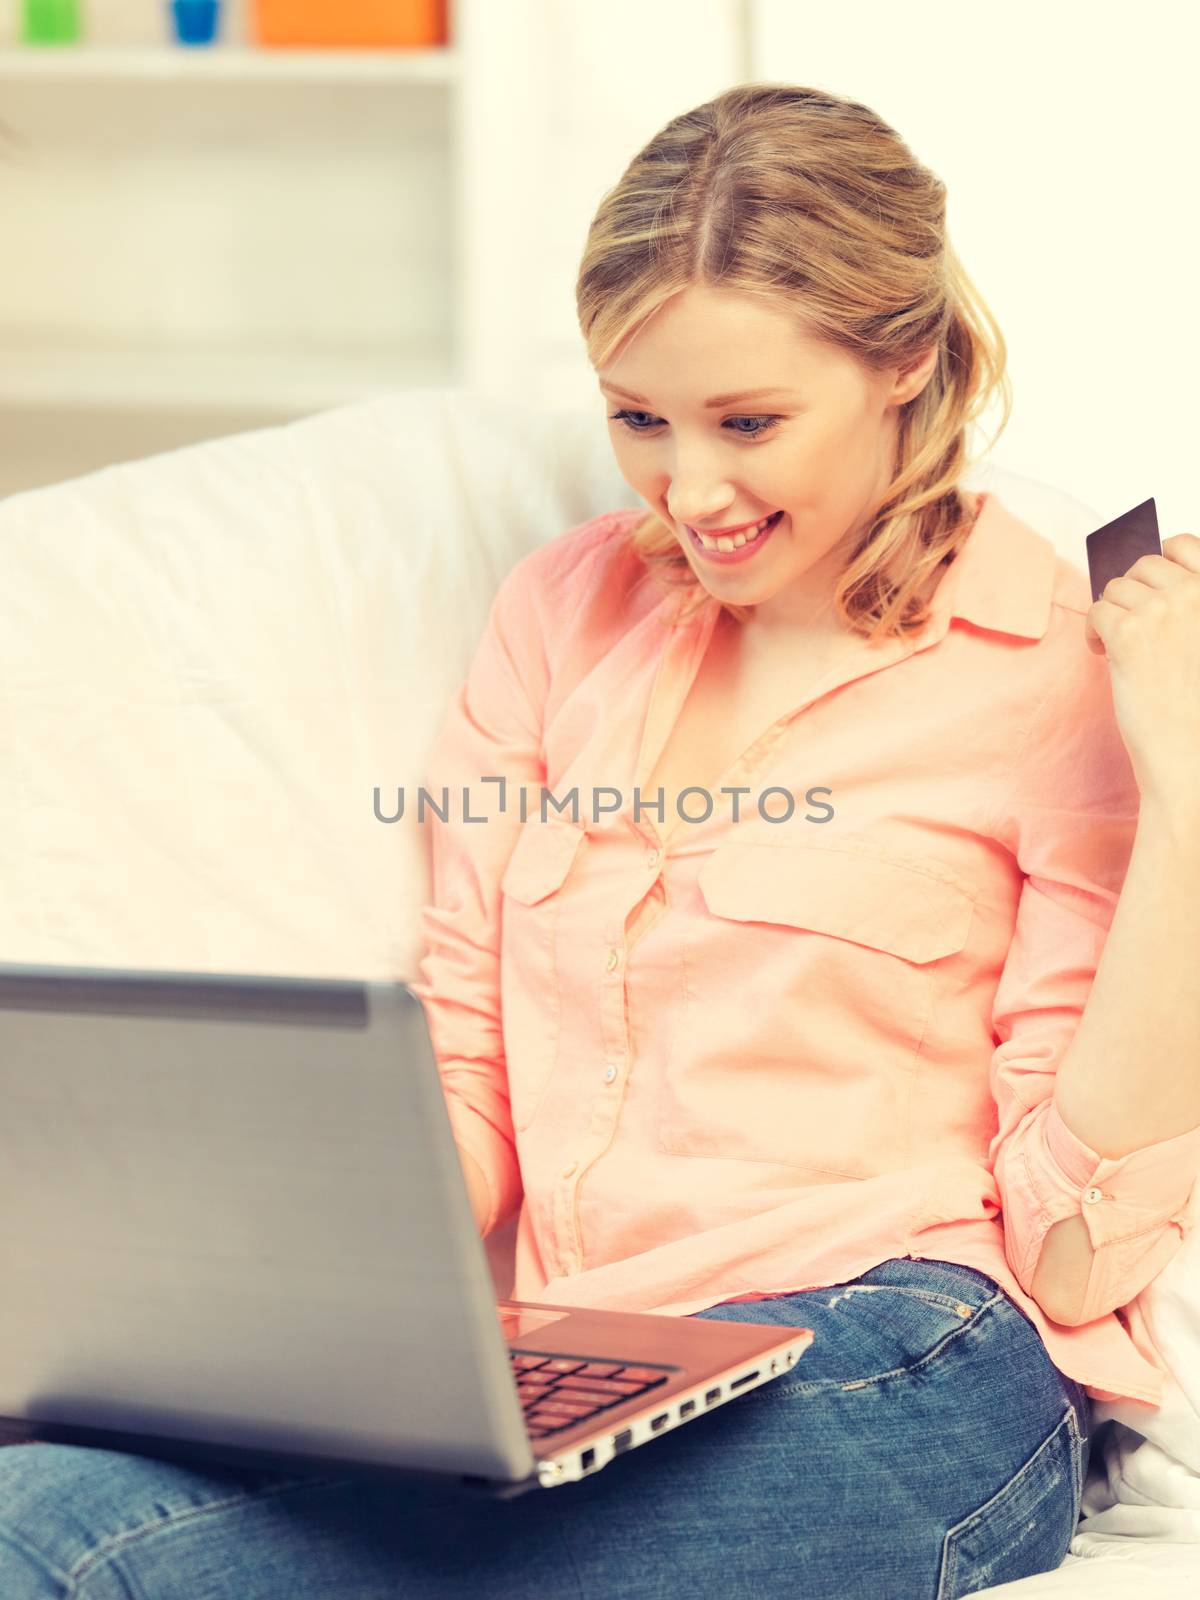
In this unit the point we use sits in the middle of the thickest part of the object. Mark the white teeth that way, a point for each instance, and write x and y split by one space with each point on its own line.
729 542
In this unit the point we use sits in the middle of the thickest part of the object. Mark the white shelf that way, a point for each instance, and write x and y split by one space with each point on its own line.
205 378
226 64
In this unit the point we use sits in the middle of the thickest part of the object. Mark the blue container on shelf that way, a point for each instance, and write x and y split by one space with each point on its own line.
196 21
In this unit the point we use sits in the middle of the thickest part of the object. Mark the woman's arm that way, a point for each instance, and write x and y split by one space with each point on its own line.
1131 1076
1103 856
1128 1087
487 750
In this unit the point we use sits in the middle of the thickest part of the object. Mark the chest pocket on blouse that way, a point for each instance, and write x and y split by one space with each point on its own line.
809 984
529 991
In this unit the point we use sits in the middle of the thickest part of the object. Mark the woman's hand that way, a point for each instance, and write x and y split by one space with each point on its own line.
1148 624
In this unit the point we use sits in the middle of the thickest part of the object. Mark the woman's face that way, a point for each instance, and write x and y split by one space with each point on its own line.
819 447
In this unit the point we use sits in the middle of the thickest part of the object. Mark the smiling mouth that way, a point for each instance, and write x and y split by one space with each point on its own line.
732 544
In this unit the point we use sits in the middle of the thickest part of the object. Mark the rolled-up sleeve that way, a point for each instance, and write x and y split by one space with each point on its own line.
1069 817
492 731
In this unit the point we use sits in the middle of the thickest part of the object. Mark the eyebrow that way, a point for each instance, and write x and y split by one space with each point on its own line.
717 399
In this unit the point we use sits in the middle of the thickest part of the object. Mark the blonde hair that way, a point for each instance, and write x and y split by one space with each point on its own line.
814 203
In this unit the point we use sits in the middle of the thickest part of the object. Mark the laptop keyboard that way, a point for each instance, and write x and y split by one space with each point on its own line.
561 1391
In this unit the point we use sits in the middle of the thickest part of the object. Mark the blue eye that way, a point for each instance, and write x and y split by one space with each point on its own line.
763 424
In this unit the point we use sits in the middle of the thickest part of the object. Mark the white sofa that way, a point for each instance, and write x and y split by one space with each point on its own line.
212 657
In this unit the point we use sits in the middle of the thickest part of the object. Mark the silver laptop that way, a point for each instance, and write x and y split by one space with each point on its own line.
234 1227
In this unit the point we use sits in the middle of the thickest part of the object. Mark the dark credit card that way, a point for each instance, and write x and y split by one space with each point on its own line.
1113 549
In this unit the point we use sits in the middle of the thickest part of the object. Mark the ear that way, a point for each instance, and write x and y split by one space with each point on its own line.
911 379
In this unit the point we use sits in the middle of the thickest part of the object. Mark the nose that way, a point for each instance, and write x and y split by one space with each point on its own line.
704 509
696 494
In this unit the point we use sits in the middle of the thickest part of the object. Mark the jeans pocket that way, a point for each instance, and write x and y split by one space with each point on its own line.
952 1304
865 1333
1024 1528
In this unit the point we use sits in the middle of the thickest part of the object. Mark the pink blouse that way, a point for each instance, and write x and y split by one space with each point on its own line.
820 1028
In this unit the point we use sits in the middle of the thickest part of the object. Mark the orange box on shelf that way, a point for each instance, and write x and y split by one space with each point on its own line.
358 23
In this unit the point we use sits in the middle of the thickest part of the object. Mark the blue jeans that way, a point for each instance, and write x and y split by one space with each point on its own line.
912 1451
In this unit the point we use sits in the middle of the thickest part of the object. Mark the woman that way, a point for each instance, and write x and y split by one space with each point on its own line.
806 1068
